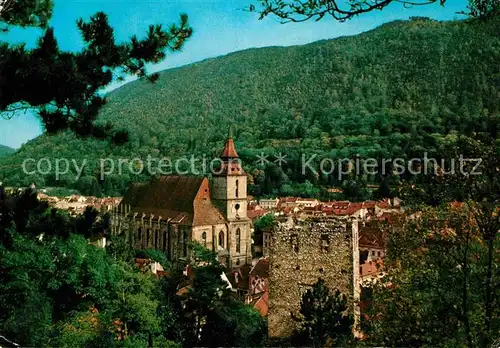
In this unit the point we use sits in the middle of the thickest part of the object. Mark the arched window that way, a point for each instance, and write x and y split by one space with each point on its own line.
139 234
237 188
238 240
156 237
185 243
204 238
221 239
164 241
147 238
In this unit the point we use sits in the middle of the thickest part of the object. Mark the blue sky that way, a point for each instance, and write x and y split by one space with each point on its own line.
220 27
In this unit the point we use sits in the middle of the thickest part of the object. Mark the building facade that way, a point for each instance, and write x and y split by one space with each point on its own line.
170 212
301 252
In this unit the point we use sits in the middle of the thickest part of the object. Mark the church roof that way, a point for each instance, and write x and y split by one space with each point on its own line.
229 150
178 198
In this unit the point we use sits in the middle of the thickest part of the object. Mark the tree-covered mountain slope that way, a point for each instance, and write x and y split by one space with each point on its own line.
5 150
405 88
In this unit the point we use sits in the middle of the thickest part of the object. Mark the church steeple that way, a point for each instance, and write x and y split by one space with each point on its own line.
229 151
231 164
229 193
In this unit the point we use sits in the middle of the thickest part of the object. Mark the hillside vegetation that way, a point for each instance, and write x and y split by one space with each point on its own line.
5 150
405 88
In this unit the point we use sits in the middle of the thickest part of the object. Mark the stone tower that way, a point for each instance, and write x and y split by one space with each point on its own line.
229 193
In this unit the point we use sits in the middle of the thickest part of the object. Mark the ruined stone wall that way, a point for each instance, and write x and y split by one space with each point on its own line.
300 254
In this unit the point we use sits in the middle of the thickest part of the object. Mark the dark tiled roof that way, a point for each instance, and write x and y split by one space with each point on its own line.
371 237
173 197
261 269
242 277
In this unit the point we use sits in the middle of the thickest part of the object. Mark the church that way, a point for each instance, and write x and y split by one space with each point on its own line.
170 212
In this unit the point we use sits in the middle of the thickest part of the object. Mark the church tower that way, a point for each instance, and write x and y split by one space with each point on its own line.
229 193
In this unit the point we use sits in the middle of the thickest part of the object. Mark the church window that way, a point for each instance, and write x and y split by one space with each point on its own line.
221 239
238 240
204 238
184 243
169 245
139 234
164 244
156 235
237 189
147 237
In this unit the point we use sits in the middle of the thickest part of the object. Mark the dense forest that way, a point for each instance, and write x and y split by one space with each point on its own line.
59 290
5 150
399 91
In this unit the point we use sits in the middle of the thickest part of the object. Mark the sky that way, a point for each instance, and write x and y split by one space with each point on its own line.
220 27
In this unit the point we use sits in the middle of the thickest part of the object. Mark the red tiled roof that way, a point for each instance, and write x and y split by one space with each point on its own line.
229 150
254 214
205 213
262 305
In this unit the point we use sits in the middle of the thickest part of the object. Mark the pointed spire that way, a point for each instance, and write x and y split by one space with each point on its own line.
229 149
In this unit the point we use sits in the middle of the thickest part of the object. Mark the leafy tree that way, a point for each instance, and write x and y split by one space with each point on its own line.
325 319
155 255
26 13
355 190
300 11
427 102
264 222
433 292
475 181
210 307
483 8
32 79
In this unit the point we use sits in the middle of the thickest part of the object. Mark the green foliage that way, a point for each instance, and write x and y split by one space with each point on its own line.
434 294
483 8
325 317
155 255
32 78
264 222
26 13
334 99
355 191
5 150
300 11
59 290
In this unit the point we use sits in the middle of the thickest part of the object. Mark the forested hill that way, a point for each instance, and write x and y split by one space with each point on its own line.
5 150
396 91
